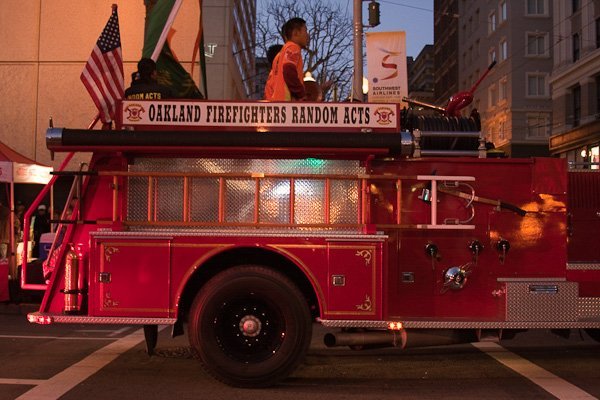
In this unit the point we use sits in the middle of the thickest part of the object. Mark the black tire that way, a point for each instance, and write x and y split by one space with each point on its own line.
250 326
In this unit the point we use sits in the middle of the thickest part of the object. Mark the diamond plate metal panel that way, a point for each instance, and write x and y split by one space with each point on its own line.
274 201
524 303
588 308
308 204
137 195
217 166
407 324
239 200
83 319
204 200
343 202
583 266
169 199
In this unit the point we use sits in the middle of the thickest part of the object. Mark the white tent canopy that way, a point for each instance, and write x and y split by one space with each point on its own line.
24 173
16 168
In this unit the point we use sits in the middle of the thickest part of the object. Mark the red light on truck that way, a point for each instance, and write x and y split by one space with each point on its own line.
39 319
395 326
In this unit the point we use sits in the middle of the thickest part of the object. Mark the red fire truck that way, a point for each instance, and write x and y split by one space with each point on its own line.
248 222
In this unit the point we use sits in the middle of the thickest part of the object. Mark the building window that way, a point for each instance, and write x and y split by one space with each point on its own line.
503 11
595 157
501 131
536 44
576 98
492 22
536 7
503 89
492 55
598 97
492 96
538 126
576 47
536 84
503 50
575 5
597 33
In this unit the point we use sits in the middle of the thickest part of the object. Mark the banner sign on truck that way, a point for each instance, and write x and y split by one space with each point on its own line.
258 116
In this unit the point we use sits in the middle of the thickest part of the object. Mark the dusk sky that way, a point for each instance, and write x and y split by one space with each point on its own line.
413 17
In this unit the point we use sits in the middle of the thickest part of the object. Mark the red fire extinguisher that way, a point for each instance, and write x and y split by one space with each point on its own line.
73 280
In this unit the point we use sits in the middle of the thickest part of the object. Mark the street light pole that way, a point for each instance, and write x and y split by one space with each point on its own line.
358 55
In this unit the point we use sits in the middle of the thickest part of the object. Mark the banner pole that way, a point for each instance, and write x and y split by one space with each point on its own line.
358 54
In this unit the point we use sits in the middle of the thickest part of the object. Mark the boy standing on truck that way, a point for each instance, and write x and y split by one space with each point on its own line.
287 74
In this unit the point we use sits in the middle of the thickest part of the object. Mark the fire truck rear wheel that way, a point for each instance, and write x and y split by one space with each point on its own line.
250 326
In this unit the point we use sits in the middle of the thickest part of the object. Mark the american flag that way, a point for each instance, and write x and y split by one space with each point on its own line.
103 73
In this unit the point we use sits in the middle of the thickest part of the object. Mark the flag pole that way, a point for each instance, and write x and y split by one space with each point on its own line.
163 36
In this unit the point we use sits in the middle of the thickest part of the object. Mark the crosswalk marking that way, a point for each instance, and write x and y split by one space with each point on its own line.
66 380
28 382
546 380
55 337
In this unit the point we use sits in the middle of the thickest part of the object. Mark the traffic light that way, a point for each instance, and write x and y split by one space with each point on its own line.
373 13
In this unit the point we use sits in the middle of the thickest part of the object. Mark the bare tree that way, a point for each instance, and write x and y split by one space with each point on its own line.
330 56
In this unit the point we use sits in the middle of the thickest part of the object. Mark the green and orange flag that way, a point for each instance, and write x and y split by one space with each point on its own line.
159 19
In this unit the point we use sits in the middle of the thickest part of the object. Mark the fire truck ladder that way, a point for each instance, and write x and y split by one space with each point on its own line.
209 200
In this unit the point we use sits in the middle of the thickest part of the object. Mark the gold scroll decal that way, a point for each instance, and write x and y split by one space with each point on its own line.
109 251
366 305
366 254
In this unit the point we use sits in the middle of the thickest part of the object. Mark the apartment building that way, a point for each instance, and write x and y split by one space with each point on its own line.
421 77
445 44
514 100
576 82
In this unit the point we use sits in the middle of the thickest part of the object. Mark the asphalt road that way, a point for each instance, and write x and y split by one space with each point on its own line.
109 362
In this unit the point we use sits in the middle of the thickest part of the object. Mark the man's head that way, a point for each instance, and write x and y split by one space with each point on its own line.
147 68
295 30
41 209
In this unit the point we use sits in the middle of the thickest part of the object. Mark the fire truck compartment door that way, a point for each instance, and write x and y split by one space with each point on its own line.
354 278
130 277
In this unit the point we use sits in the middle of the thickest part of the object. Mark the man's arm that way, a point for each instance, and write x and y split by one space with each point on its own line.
292 81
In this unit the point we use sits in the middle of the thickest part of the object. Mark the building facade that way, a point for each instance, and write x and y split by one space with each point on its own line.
514 100
445 39
50 42
421 77
576 82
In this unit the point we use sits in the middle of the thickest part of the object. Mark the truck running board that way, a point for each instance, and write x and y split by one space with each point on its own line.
407 324
46 319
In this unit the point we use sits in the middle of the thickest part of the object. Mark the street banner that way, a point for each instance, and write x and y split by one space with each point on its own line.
386 66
